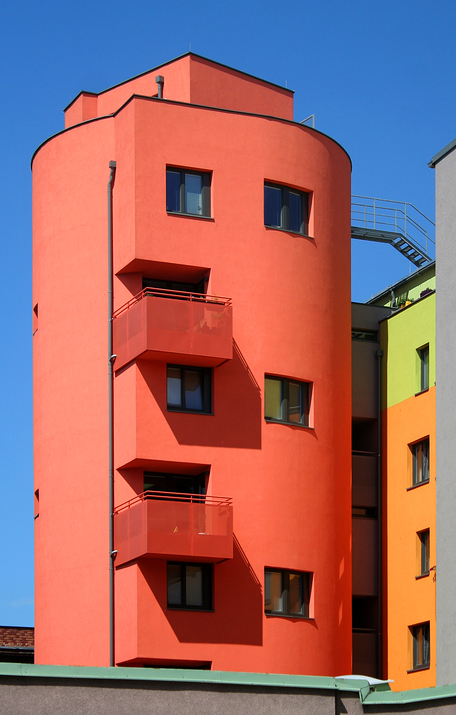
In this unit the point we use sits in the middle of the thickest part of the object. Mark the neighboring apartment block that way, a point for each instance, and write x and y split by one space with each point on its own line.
228 432
407 340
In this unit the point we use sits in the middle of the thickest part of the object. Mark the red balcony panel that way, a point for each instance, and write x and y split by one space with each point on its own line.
174 526
161 324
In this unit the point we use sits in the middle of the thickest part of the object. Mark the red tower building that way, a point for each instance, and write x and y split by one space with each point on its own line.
229 425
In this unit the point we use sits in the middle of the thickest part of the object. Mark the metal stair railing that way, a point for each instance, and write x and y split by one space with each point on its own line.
396 222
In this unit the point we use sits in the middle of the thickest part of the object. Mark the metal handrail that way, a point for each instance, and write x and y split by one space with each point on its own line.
177 497
373 213
392 201
175 295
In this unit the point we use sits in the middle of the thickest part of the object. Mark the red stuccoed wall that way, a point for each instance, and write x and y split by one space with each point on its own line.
291 317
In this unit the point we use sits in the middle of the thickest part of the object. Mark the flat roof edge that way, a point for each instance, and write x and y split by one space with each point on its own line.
405 697
195 106
442 153
175 59
410 276
370 694
305 682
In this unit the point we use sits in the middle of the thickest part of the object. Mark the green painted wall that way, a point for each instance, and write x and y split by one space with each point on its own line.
401 336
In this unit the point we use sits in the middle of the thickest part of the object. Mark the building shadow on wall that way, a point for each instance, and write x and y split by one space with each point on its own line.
236 404
238 606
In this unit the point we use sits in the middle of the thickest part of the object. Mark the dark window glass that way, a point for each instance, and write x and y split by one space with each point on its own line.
190 586
421 651
174 585
188 388
424 552
193 390
272 206
177 286
295 201
420 458
295 406
180 483
286 400
173 182
287 593
367 512
424 367
188 192
174 387
286 208
368 335
193 194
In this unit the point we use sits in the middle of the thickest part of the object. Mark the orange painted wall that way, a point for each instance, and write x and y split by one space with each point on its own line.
409 600
291 316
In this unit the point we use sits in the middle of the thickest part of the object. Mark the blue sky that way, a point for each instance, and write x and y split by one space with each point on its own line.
379 78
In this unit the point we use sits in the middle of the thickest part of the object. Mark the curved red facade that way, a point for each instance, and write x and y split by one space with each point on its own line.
189 380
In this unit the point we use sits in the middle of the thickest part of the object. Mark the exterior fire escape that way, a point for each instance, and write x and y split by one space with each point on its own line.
399 223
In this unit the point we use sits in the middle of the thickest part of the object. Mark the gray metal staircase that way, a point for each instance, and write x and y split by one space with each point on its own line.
395 222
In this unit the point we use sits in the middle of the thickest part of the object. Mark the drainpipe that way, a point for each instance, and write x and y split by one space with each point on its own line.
379 355
111 358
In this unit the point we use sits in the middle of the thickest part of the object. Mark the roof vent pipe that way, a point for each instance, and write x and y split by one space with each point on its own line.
160 80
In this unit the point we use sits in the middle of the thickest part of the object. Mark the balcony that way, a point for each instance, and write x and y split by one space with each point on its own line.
174 326
174 526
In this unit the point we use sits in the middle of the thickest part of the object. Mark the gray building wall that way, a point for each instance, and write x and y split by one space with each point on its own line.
364 362
121 691
445 193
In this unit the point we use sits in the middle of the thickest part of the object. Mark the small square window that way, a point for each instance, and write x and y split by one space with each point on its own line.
287 593
286 400
286 208
189 586
420 462
420 646
423 355
423 552
188 192
189 388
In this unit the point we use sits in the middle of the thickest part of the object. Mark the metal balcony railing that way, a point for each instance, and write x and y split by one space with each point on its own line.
177 497
396 222
174 326
174 295
173 525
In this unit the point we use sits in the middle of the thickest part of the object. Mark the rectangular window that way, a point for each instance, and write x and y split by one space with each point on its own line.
420 638
180 483
423 552
286 208
189 388
286 400
188 192
423 354
190 586
287 593
420 462
366 512
370 336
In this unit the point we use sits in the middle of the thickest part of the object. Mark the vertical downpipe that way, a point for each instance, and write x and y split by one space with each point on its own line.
379 355
111 357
